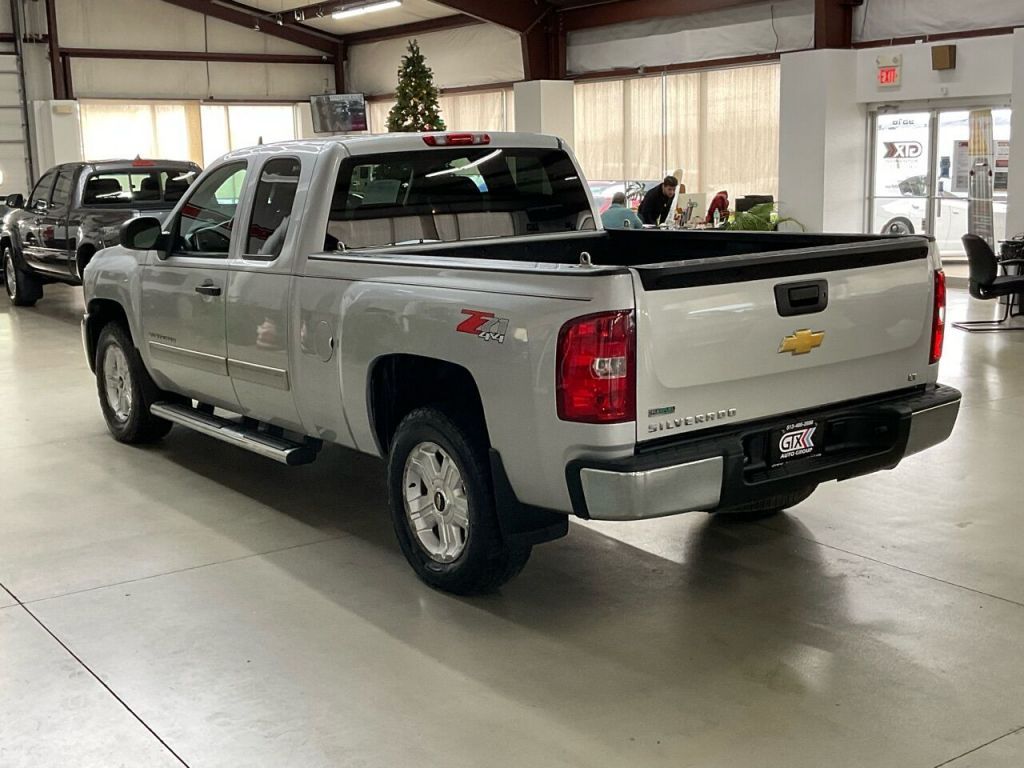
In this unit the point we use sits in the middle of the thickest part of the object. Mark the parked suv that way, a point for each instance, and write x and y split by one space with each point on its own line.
74 210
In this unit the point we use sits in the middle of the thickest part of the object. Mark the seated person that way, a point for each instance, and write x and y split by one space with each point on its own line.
618 216
720 203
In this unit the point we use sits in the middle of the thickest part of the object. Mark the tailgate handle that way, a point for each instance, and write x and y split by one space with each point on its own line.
804 298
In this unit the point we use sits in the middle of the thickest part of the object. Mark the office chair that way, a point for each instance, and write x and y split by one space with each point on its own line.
986 283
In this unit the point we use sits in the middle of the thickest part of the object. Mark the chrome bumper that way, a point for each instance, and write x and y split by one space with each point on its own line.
648 486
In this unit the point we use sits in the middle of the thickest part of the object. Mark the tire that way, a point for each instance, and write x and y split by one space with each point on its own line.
765 508
898 226
22 287
125 389
442 505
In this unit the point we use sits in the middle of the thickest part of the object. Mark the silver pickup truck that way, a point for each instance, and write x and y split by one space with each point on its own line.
449 303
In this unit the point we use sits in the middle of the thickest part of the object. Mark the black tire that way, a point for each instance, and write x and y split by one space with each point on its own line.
22 287
901 225
765 508
485 561
135 424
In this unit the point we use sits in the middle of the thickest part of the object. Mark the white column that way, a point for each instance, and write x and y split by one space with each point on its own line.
1015 192
822 141
56 133
545 106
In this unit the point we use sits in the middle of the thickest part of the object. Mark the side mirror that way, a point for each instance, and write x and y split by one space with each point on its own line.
15 201
143 234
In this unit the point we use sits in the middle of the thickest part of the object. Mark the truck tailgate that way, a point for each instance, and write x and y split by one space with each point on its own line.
735 338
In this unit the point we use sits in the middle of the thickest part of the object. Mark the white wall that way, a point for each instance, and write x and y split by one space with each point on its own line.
886 19
781 26
545 106
982 71
822 141
476 55
1015 191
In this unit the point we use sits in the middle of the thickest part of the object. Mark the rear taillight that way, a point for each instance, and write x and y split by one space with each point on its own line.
938 316
595 377
456 139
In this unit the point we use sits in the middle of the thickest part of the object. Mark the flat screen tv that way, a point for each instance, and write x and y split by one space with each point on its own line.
338 112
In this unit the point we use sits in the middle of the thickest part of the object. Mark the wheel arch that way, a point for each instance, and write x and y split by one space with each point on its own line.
398 383
83 255
99 313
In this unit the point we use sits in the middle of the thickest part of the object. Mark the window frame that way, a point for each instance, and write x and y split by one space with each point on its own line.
175 230
70 173
251 207
49 192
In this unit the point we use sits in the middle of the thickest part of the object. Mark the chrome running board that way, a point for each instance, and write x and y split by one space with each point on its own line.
272 447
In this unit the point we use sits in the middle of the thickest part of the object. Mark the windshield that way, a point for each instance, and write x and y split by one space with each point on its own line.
447 195
152 185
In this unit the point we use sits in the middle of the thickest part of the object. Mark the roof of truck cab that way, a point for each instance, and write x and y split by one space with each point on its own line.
137 165
399 142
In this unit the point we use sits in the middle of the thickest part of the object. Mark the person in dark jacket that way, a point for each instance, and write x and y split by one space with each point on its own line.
657 203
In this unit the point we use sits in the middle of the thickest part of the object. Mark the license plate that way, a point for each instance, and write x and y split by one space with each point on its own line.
795 441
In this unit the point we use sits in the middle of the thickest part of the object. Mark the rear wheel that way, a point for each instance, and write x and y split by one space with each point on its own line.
125 389
765 508
442 506
898 226
23 288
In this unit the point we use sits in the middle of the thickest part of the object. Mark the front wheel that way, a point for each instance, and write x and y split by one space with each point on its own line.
125 389
442 506
23 288
898 226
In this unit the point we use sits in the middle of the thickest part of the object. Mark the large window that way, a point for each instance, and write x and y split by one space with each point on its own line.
233 126
115 130
720 128
476 111
942 172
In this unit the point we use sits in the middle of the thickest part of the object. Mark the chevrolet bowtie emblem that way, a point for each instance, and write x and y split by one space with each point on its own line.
802 342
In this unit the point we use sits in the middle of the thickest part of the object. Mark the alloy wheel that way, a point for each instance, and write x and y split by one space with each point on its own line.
435 502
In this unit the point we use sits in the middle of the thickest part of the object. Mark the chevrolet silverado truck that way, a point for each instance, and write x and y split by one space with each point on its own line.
449 303
76 209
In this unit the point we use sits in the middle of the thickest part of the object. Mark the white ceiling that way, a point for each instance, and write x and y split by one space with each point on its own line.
411 10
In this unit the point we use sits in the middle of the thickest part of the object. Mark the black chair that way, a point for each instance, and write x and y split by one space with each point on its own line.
986 283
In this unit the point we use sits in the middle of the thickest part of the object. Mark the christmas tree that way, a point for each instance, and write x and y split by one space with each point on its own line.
416 108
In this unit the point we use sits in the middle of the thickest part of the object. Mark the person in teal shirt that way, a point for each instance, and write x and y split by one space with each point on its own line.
618 216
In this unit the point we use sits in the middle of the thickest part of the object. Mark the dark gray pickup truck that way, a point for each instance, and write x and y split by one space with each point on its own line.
76 209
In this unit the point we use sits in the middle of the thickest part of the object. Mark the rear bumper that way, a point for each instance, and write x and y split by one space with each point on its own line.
727 468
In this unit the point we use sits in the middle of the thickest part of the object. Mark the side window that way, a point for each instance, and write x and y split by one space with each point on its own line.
41 193
208 215
272 207
61 190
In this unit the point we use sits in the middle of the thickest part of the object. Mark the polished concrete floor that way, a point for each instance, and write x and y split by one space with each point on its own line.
191 604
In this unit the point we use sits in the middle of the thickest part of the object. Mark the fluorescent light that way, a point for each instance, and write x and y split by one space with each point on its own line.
359 10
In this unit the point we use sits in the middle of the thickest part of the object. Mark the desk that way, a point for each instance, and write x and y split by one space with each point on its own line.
1013 249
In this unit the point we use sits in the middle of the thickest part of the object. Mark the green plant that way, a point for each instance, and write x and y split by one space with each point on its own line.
761 218
416 97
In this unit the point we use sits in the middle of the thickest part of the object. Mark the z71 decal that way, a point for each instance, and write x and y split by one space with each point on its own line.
484 325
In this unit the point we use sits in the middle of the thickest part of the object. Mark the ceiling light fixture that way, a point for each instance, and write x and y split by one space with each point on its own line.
359 10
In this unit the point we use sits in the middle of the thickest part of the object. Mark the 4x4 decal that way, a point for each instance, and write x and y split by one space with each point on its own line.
484 325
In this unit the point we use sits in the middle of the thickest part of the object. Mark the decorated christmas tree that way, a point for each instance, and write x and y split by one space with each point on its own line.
416 108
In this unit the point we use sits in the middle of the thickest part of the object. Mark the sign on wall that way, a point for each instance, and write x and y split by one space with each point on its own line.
889 68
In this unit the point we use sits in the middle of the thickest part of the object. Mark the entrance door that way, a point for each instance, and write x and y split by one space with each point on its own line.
921 176
184 293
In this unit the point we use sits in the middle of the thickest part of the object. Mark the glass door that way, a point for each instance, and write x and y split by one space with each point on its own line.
928 177
902 173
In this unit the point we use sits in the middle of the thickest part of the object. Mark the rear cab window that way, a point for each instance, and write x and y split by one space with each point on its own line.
137 186
455 194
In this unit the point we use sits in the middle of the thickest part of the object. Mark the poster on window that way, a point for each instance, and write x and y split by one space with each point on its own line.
962 165
901 155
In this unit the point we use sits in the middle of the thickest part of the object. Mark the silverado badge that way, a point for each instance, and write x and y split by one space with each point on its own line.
802 342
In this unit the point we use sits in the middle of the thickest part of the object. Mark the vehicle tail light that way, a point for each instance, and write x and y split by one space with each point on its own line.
938 317
456 139
138 162
595 377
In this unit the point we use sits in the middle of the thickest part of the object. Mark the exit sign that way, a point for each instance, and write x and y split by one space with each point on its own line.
889 71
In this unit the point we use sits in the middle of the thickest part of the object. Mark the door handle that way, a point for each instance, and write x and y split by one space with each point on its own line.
208 290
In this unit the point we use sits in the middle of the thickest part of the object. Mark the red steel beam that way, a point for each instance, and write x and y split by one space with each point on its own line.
237 58
517 15
833 23
245 16
410 30
60 86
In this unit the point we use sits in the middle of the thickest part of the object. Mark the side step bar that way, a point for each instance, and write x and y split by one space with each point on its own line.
276 448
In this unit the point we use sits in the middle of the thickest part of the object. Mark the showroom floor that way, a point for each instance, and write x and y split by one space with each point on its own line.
194 604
